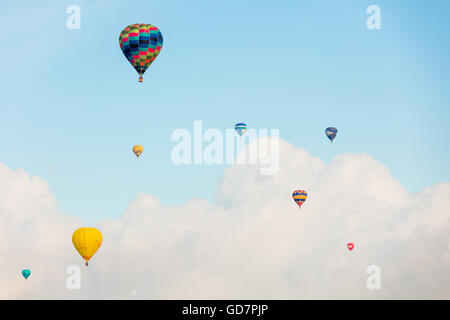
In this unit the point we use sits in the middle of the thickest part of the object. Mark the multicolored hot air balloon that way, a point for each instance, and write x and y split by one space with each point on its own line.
87 241
331 133
240 128
26 273
299 197
137 149
141 44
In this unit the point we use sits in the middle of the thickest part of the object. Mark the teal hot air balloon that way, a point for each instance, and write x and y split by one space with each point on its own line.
26 273
331 133
141 44
240 128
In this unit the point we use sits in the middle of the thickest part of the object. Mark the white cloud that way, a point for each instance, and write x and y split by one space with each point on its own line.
254 243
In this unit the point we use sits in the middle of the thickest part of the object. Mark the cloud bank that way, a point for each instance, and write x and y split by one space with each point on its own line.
252 243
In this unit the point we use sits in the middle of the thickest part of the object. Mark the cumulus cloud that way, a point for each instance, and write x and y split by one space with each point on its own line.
252 243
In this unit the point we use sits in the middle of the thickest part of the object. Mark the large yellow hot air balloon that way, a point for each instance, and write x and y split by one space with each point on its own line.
137 149
87 241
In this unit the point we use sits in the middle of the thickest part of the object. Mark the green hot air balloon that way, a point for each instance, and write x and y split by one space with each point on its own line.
141 44
26 273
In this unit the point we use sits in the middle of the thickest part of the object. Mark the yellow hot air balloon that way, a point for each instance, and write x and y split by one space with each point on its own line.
87 241
137 150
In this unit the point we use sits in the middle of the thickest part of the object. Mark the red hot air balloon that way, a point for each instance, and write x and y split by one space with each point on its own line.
350 246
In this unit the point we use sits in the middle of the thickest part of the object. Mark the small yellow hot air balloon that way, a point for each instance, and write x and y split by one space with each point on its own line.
87 241
137 149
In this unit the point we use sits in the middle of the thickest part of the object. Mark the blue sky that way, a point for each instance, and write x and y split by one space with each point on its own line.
72 107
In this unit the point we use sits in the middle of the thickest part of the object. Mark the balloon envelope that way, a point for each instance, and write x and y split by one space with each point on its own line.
141 44
350 246
240 128
87 241
137 149
299 197
331 133
26 273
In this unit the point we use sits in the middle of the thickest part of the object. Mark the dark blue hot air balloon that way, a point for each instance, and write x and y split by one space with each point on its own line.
331 133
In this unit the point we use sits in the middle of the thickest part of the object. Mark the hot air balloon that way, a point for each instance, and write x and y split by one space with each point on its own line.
26 273
137 149
350 246
331 133
240 128
141 44
299 197
87 241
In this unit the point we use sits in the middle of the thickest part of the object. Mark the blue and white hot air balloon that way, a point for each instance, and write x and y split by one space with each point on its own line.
331 133
240 128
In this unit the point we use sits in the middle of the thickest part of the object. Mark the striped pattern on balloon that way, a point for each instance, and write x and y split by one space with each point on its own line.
299 197
240 128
